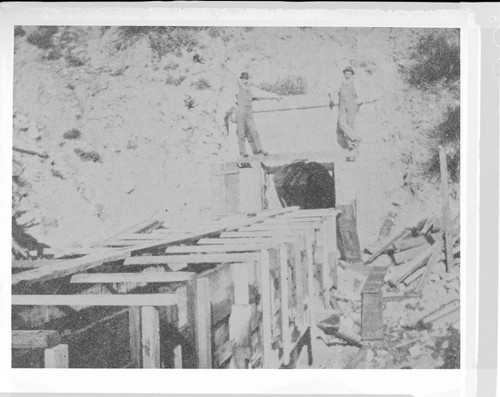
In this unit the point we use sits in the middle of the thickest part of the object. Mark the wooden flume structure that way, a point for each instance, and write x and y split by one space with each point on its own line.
189 294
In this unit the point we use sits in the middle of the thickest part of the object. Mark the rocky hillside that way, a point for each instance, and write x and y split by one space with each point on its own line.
112 124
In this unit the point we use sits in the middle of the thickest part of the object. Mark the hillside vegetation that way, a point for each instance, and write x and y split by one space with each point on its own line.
114 123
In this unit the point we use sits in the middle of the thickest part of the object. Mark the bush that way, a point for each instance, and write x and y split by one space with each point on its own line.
162 39
446 134
437 57
41 37
291 85
201 84
72 134
74 61
89 156
19 31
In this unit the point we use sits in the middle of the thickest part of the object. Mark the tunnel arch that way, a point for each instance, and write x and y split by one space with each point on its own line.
306 185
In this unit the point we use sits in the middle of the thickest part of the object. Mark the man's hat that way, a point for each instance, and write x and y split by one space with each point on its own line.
348 69
244 75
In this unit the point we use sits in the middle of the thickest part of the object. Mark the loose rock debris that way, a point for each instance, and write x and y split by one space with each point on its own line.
421 301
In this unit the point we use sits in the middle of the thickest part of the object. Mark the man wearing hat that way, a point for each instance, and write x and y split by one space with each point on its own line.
349 101
245 124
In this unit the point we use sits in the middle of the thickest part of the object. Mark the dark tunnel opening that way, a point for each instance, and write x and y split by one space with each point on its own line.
306 185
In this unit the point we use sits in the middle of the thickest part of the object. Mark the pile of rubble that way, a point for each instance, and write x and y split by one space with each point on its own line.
417 293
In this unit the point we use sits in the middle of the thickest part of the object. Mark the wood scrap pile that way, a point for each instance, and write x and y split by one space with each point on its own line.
421 296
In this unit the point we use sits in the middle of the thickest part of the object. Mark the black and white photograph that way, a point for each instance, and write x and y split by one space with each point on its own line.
236 197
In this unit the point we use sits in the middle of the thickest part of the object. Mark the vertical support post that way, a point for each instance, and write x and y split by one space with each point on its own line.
325 266
267 316
285 316
310 286
57 357
178 356
150 321
134 326
332 247
446 209
192 360
203 323
299 281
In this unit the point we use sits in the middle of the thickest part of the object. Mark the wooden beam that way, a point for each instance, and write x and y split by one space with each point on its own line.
403 256
192 259
448 233
150 277
285 313
256 234
247 241
403 271
387 243
27 264
267 316
69 267
198 249
135 237
203 323
286 158
38 339
150 326
57 357
96 300
134 326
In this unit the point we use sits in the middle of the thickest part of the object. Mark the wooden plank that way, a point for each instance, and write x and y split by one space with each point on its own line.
438 244
412 277
221 248
353 364
95 300
38 339
387 243
280 227
285 309
177 352
151 236
349 246
247 241
150 326
286 158
403 271
403 256
203 323
267 316
261 234
448 232
413 242
69 267
57 357
27 264
150 277
135 339
192 259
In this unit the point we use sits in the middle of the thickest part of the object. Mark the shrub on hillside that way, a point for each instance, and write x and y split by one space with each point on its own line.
446 134
436 57
72 134
201 84
162 39
89 156
291 85
41 37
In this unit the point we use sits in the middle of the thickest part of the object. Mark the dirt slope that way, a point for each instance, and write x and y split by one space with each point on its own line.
126 132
